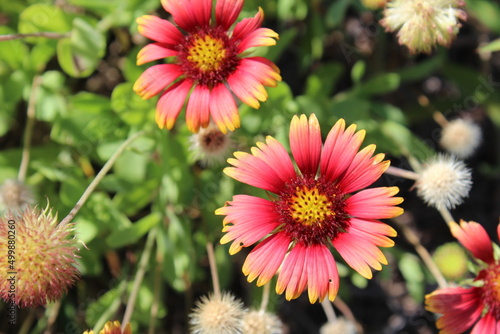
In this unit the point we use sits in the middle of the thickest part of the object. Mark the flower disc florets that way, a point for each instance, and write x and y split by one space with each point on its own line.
37 258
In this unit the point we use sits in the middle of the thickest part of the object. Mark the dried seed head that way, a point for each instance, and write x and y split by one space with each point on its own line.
339 326
460 137
444 182
423 24
210 145
37 257
214 315
260 322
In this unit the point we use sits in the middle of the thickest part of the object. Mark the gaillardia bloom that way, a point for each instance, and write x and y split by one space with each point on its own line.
477 306
312 210
207 63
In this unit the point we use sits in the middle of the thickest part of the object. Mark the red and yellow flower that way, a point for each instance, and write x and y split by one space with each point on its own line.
208 65
477 306
317 207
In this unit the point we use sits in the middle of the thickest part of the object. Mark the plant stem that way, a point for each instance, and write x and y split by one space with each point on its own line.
45 34
407 174
28 131
423 253
213 270
266 289
157 288
445 213
105 169
28 321
143 264
112 308
328 309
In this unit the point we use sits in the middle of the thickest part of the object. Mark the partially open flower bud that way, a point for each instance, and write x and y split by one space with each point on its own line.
214 315
444 182
374 4
37 257
112 328
424 23
451 260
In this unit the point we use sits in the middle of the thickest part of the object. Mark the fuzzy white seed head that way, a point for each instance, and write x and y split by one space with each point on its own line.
260 322
15 196
214 315
210 145
339 326
444 182
461 138
424 23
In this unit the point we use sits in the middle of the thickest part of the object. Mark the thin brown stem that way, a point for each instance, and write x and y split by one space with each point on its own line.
157 288
28 131
346 311
328 309
105 169
412 238
445 213
213 270
406 174
143 264
266 291
44 34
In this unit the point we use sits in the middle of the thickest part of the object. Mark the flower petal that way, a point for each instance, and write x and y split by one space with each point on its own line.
261 69
155 79
460 307
265 259
340 148
374 230
487 325
269 167
159 30
375 203
227 11
475 238
171 102
322 274
248 25
154 51
259 37
198 108
248 219
305 142
363 170
293 273
247 88
358 247
223 109
190 15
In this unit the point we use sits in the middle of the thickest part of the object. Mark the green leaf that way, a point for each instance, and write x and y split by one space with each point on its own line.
323 80
493 46
357 72
41 18
410 268
487 12
80 55
131 234
380 84
130 107
12 52
422 69
336 13
406 141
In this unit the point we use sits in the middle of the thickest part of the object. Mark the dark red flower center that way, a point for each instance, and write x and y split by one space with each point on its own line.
312 211
491 289
208 56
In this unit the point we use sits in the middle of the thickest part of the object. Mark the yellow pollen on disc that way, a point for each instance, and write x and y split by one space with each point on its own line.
207 53
309 206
